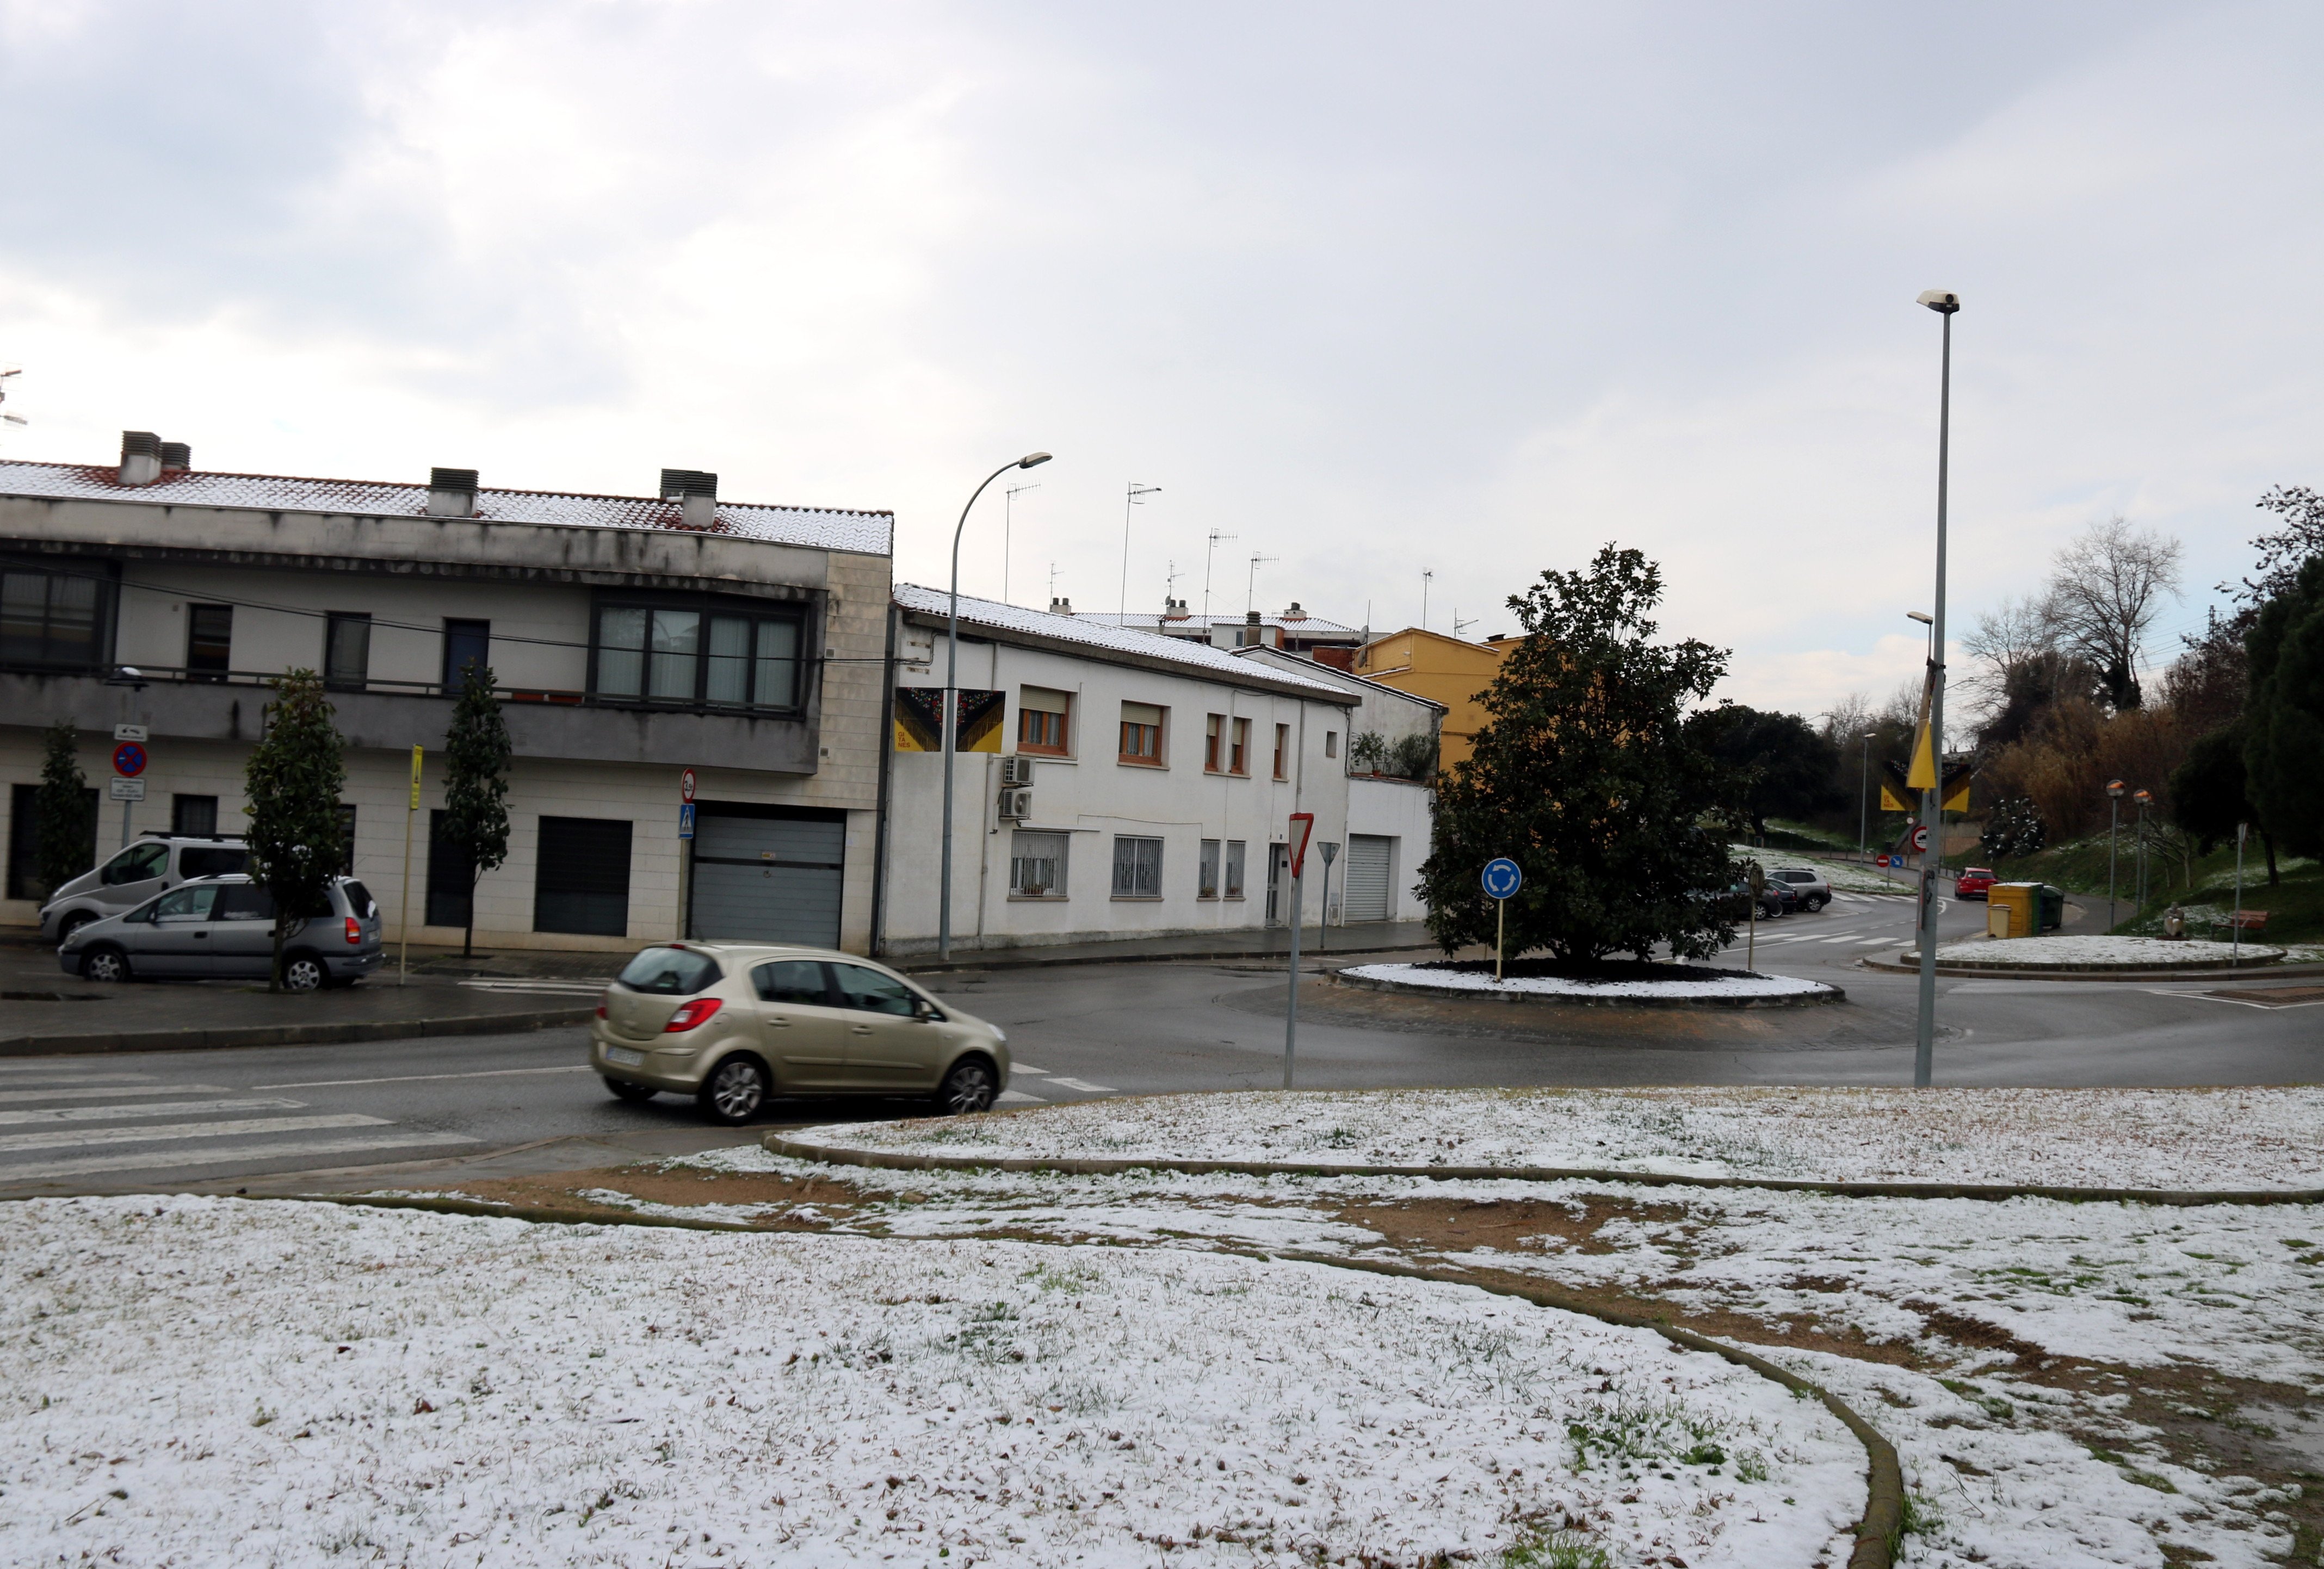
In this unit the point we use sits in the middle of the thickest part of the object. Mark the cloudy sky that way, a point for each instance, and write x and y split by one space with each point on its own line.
1378 290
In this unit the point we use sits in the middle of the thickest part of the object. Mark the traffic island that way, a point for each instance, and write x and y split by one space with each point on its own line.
2088 956
1546 982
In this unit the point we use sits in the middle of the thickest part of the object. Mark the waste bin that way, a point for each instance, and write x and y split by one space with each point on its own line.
2052 907
2010 909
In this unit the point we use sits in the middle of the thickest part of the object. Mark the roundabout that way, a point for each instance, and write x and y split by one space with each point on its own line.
1635 986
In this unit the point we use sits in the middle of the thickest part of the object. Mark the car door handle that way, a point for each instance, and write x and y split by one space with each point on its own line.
859 1029
200 935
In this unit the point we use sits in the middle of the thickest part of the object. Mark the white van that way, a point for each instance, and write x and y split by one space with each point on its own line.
153 863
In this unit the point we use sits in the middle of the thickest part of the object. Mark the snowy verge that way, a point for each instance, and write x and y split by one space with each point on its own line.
2091 952
1845 877
1715 985
2187 1139
212 1381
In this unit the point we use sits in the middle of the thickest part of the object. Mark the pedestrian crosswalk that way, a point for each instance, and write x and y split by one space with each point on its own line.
56 1124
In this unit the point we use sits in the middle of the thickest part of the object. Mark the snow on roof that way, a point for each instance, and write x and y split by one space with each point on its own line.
1261 654
818 528
1180 625
992 616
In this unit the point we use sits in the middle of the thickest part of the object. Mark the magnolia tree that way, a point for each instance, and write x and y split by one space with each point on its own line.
1587 776
65 809
476 753
292 784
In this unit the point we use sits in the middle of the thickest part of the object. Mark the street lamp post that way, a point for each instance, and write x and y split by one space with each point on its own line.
1945 303
949 720
2145 798
2114 825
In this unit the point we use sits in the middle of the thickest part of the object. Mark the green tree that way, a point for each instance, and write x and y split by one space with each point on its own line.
1586 776
477 754
1777 765
2284 740
293 783
65 811
2209 793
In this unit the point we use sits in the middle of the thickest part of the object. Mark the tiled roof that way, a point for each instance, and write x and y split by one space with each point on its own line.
1198 659
1182 626
818 529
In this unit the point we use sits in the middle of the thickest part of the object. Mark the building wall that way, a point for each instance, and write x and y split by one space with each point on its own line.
1092 798
1442 669
1402 809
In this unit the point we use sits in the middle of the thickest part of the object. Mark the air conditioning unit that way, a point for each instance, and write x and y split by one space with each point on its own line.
1016 772
1017 805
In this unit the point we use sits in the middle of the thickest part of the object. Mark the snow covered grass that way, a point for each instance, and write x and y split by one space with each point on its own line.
2121 952
2236 1138
1845 877
1714 982
212 1381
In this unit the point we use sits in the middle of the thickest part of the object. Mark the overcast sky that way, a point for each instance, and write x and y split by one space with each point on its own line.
1378 290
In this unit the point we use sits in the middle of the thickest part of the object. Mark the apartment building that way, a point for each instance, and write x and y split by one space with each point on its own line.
1109 781
1293 630
629 637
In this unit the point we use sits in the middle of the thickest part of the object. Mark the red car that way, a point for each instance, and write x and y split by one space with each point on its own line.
1974 883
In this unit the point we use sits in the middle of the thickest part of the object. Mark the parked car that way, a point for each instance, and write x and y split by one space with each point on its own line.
1734 903
222 928
153 863
1814 893
1974 883
732 1024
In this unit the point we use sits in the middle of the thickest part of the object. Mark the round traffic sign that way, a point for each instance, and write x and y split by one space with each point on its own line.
1921 837
129 759
1501 878
685 785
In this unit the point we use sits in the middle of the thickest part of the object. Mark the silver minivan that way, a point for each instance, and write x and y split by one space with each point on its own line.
151 864
222 928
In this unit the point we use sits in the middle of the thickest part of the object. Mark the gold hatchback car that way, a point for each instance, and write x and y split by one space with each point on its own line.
732 1024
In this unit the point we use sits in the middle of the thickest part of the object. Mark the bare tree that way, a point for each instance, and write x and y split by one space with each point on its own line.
2107 585
1845 721
2006 640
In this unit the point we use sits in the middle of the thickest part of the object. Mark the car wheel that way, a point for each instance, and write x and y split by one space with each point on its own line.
972 1086
1817 903
734 1091
303 972
635 1094
107 964
73 923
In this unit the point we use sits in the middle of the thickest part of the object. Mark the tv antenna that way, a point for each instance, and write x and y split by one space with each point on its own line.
1250 589
1425 578
17 419
1458 624
1170 586
1008 518
1208 551
1137 498
1053 582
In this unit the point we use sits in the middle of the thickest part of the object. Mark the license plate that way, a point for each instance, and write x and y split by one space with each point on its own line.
623 1057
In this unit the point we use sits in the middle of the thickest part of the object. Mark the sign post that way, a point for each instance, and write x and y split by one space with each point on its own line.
404 923
1755 879
2235 958
1330 852
685 849
128 762
1501 879
1303 824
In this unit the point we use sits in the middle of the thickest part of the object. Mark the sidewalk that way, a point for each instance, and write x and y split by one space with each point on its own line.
1266 942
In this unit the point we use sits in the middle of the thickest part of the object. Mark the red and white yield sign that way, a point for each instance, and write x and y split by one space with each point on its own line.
1303 824
685 785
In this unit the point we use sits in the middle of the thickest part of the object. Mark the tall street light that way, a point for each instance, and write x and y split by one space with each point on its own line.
950 719
2114 825
1945 303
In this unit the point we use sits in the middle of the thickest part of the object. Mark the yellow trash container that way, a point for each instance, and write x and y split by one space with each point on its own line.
2010 910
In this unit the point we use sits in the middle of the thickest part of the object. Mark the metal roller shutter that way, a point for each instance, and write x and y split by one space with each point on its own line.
1369 856
767 879
582 880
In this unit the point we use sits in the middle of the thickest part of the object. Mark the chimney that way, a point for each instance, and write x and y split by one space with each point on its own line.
176 455
696 493
141 457
1294 613
1061 606
451 492
1250 630
1173 609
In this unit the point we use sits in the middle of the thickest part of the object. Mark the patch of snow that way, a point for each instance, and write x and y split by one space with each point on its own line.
2123 952
1715 983
220 1380
1845 877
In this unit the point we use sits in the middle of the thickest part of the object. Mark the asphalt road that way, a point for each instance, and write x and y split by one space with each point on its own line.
351 1117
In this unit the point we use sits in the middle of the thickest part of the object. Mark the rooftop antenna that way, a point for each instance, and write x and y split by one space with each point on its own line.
11 418
1008 517
1250 589
1425 578
1170 587
1053 582
1208 551
1138 493
1459 625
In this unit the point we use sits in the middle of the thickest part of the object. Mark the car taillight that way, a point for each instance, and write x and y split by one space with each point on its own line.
693 1013
601 1010
354 931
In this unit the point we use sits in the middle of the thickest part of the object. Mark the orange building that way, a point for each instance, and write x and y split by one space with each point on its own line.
1446 670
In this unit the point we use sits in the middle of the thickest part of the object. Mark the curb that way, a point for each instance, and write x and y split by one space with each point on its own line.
2266 972
1830 994
888 1160
1204 956
1877 1532
220 1039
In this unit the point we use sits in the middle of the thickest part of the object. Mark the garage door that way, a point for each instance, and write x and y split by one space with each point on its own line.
767 879
1371 857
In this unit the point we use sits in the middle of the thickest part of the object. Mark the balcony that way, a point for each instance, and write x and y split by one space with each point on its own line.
395 716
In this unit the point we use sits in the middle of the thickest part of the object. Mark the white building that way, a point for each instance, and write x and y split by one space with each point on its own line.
1293 630
630 636
1162 775
1390 818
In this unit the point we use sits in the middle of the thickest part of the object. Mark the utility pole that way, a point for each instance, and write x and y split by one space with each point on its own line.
1008 522
1425 578
1945 303
1138 494
1864 800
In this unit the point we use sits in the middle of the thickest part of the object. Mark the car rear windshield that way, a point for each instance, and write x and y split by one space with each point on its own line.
674 972
359 899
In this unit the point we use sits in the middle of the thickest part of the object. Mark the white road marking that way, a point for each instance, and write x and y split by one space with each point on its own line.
538 988
98 1113
126 1089
1018 1097
83 1138
1852 937
1084 1085
152 1160
47 1069
416 1077
1016 1068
